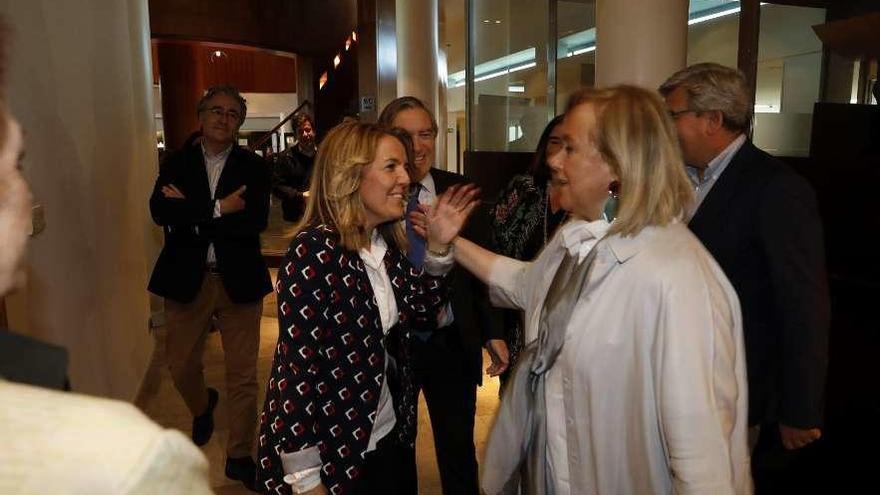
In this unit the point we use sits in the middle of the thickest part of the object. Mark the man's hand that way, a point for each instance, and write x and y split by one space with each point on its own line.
795 438
233 203
171 191
500 356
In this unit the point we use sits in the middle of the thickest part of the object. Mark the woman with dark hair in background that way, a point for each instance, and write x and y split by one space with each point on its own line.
524 217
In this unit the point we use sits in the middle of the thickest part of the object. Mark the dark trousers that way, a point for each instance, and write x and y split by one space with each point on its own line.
390 469
441 374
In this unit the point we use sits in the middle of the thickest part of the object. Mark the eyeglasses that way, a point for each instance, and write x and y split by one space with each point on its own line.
220 112
676 114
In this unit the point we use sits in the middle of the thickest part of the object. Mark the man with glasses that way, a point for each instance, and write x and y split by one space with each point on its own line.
448 361
212 200
760 221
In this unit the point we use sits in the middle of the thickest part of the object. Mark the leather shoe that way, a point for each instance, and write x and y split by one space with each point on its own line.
203 424
242 469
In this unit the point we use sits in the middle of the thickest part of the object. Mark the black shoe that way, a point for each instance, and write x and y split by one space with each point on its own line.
242 469
203 424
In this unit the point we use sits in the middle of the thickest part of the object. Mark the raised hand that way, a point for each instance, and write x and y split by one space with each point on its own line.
441 223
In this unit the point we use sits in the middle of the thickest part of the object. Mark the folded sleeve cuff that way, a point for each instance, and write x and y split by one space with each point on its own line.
439 265
302 470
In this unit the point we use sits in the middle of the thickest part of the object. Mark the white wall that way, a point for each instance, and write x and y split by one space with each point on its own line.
79 80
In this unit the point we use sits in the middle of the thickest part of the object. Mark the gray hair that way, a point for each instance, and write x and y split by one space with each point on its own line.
230 91
711 87
389 113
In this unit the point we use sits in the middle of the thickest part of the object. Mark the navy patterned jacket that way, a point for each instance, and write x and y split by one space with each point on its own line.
329 361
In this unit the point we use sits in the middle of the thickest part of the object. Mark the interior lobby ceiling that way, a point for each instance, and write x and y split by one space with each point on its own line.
313 28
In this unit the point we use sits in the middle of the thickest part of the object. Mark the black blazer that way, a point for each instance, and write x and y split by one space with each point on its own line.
761 223
190 226
476 320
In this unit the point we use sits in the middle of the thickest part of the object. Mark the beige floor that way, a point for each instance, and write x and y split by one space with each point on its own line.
162 403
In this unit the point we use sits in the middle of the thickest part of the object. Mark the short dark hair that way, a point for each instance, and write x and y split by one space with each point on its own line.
230 91
389 113
300 118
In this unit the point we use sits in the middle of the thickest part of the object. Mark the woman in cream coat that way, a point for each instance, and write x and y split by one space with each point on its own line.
633 377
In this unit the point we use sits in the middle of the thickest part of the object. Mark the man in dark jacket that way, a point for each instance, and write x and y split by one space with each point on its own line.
292 170
760 221
212 199
447 362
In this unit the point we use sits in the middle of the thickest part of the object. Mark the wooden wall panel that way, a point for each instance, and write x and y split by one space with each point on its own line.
307 27
250 70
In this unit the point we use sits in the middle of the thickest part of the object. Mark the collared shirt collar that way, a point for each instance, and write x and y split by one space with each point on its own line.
580 236
219 156
625 247
374 255
428 183
715 167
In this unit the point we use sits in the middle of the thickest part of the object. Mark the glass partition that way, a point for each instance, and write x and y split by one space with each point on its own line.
575 48
713 32
508 44
788 79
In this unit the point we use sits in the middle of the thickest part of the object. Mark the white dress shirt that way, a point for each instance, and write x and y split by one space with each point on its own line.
702 185
648 394
214 165
428 195
387 306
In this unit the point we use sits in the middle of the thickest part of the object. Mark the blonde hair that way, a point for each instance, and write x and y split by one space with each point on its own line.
334 198
636 137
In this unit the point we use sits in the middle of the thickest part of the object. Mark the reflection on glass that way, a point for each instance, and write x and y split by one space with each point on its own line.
713 32
575 48
789 72
509 46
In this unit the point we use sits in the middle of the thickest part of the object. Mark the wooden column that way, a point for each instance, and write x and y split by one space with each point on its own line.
181 75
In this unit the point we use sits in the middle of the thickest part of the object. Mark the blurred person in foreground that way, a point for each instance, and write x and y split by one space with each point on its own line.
633 376
60 442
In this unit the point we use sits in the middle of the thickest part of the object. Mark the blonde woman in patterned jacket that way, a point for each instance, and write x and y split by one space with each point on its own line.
339 415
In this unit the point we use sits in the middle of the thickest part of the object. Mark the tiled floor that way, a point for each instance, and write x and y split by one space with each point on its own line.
162 403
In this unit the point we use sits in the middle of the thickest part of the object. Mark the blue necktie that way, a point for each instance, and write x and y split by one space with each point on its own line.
416 252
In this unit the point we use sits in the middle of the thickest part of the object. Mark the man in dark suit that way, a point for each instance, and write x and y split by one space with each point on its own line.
212 200
292 170
448 361
760 221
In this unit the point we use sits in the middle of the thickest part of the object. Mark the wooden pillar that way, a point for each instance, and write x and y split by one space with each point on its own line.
180 72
